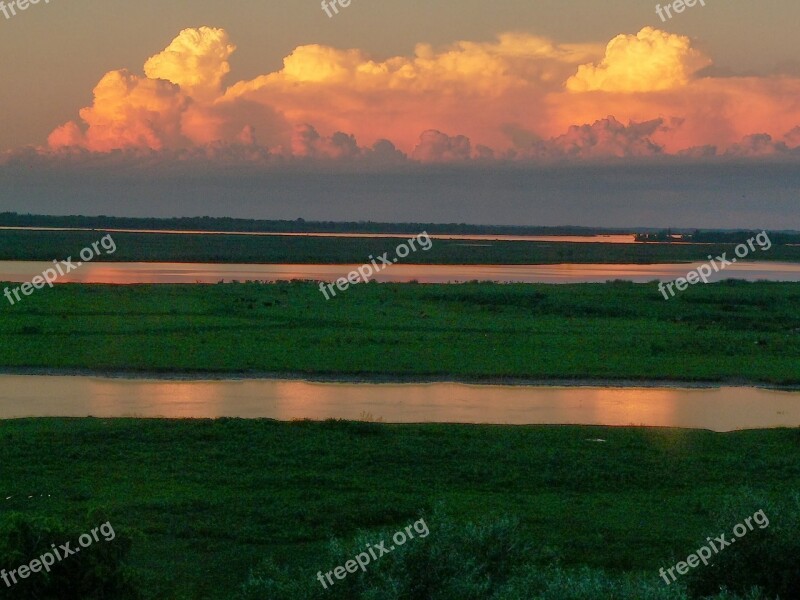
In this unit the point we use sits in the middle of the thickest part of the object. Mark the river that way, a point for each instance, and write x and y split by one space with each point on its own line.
718 409
159 272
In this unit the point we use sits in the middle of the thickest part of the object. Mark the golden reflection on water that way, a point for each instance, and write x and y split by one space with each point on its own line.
720 409
132 273
627 238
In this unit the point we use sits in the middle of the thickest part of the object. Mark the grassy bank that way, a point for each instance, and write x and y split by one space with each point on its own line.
206 501
732 331
149 247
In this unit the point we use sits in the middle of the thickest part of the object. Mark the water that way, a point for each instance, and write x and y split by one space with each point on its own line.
132 273
718 409
627 238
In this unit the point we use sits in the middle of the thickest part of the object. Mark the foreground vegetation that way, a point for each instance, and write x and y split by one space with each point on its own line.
154 247
231 509
730 331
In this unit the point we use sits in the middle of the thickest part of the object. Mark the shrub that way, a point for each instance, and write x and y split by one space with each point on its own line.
555 583
469 562
490 561
767 558
96 573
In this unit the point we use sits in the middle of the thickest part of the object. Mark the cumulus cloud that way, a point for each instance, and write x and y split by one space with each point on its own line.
128 112
793 137
384 152
177 104
196 61
706 151
307 142
649 61
466 87
759 144
511 97
435 146
604 138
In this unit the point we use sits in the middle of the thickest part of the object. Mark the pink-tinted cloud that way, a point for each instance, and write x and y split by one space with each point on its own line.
128 112
435 146
519 96
759 144
604 138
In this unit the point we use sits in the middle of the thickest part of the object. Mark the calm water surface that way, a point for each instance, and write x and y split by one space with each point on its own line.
719 409
131 273
627 238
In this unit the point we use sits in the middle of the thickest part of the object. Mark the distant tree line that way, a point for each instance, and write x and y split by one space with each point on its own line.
711 236
11 219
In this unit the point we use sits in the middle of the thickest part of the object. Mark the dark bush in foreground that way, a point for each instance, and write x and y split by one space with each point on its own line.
96 572
470 562
459 562
553 583
767 558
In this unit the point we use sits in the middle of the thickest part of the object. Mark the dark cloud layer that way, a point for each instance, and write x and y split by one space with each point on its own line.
655 192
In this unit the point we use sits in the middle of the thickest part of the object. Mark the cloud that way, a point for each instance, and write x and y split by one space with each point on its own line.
435 146
793 137
465 87
519 96
649 61
706 151
128 112
177 104
223 121
604 138
308 143
384 152
760 144
196 61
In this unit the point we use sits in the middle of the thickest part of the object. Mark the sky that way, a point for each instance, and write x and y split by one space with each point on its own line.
510 112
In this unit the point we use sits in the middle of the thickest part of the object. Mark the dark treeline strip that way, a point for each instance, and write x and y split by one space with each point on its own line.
718 237
10 219
156 247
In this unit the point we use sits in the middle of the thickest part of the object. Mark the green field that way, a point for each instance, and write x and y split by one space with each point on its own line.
243 510
725 332
206 501
154 247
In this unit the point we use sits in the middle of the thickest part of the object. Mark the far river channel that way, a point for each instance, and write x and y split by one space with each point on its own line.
155 272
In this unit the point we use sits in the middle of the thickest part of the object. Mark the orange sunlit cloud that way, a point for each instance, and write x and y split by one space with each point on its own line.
520 96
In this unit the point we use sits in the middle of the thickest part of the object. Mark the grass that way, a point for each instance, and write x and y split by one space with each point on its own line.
153 247
730 331
207 501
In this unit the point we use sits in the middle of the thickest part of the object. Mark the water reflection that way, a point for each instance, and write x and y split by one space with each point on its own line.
720 409
132 272
626 238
